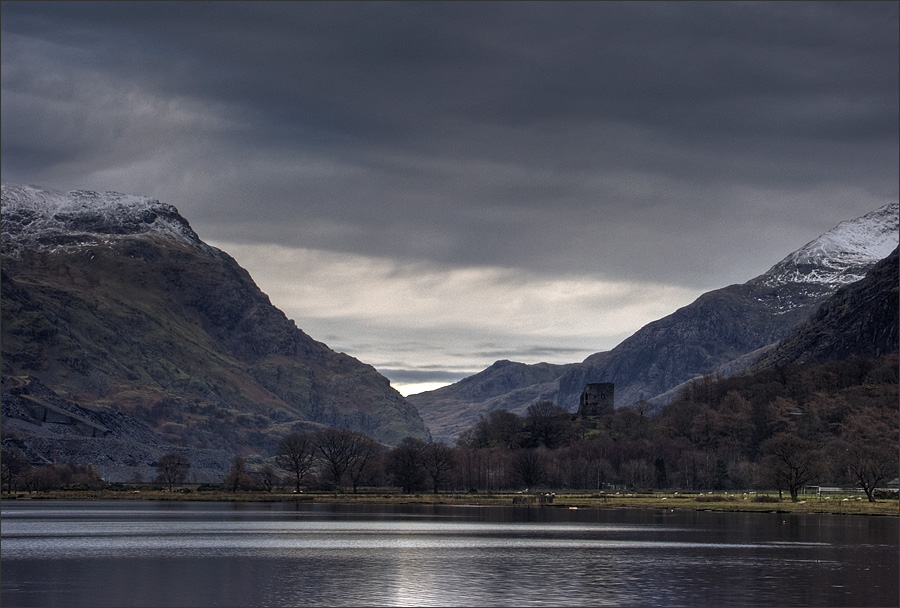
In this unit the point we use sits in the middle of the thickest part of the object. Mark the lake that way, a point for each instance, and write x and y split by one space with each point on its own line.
123 553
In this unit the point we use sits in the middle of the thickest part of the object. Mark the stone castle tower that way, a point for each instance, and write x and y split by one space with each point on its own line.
597 399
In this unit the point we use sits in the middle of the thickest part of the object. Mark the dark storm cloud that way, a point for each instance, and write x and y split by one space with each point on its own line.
682 142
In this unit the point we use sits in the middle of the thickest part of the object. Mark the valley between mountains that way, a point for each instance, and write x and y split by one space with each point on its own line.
124 336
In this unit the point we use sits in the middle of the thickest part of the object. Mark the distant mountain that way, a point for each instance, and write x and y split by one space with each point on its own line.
111 303
504 385
724 330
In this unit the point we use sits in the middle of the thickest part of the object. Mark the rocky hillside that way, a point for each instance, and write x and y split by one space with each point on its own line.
504 385
861 318
113 304
722 330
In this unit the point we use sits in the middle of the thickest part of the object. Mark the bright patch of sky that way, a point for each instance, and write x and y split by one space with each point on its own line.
458 320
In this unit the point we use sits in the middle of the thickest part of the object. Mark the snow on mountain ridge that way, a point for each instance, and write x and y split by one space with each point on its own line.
37 217
42 218
842 255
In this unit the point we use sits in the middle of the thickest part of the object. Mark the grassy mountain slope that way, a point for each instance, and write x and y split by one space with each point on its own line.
718 327
176 334
506 385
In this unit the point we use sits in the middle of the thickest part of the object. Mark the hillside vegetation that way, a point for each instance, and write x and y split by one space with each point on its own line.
829 424
114 308
832 424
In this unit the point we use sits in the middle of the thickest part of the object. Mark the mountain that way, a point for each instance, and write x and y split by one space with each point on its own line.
722 330
504 385
112 304
860 319
841 256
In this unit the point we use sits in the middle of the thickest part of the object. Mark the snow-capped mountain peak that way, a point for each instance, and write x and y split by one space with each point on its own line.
36 217
842 255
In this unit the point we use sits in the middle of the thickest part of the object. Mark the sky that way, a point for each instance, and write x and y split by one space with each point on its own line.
431 187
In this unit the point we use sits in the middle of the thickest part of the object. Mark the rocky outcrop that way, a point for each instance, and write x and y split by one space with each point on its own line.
50 429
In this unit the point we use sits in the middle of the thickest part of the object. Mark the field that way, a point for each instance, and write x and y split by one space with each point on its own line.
842 504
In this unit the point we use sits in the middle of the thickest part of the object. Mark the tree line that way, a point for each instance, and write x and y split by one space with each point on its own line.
827 424
783 429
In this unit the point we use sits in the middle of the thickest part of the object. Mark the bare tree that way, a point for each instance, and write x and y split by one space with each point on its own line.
548 424
404 464
339 450
296 454
438 460
14 465
267 477
44 477
172 468
637 473
790 462
530 466
365 452
500 428
238 478
870 466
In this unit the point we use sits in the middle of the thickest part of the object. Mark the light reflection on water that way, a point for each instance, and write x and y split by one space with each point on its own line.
225 554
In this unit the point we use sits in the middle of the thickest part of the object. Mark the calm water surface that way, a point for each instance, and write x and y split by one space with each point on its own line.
253 554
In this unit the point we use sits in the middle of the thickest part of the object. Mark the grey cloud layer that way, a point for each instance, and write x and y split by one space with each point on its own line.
693 143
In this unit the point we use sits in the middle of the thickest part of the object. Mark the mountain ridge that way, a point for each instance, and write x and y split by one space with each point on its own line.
860 319
35 218
720 328
126 308
841 255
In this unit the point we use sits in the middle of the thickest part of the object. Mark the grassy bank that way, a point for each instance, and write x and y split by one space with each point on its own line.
843 504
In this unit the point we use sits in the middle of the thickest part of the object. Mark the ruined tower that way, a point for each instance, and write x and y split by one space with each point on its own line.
596 399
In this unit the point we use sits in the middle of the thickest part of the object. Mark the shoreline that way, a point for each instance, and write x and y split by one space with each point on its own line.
838 505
